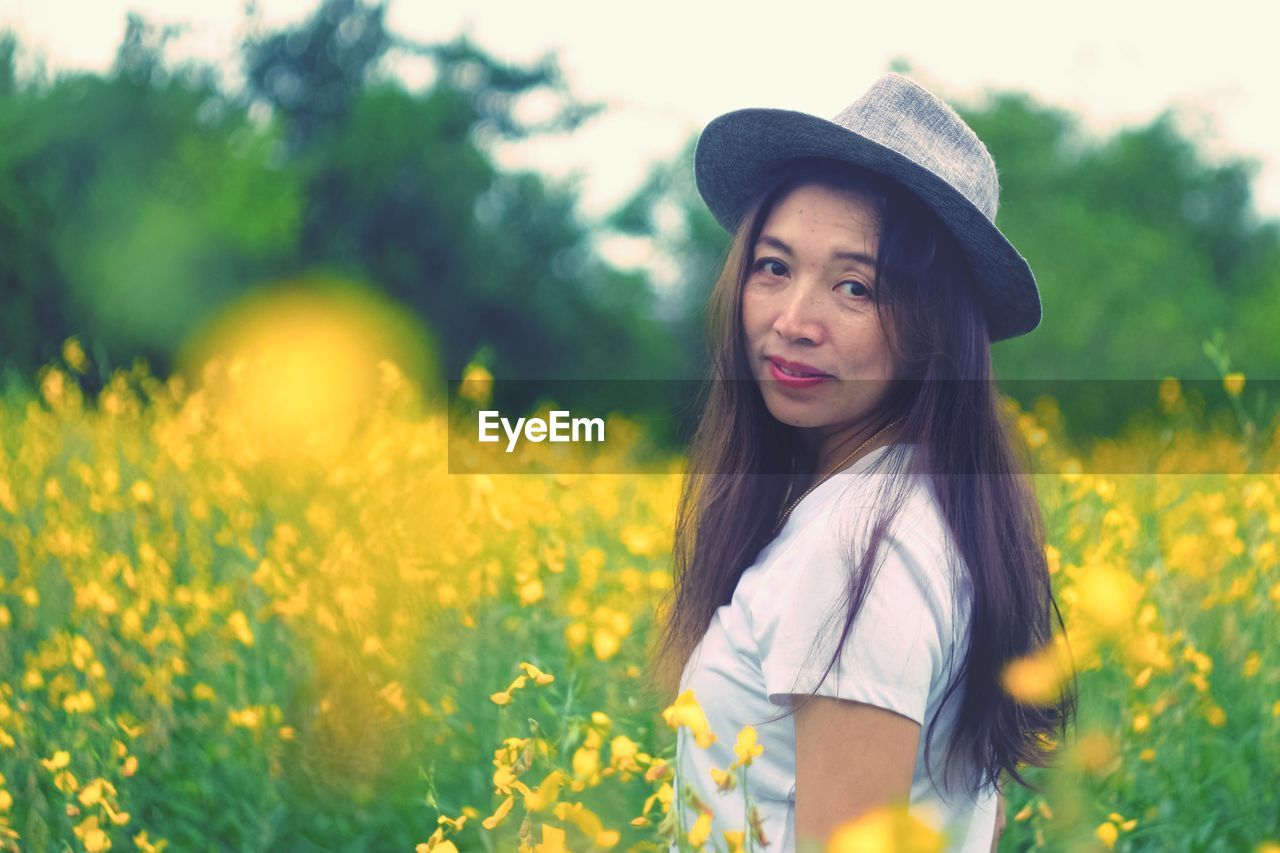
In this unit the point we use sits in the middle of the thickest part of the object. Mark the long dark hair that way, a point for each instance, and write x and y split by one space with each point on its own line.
948 410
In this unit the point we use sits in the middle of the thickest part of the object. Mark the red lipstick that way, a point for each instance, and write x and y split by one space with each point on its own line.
810 375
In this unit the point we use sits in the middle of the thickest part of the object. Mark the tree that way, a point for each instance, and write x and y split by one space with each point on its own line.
1140 248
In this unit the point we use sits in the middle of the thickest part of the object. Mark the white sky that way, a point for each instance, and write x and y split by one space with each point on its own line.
667 68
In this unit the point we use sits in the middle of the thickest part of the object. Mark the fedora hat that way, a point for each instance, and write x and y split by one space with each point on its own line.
898 129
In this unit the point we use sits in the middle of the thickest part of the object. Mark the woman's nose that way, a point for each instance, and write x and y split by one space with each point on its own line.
799 316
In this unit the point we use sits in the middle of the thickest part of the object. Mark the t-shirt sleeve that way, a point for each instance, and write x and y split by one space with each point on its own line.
898 643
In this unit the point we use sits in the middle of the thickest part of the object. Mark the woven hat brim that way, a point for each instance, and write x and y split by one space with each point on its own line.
738 149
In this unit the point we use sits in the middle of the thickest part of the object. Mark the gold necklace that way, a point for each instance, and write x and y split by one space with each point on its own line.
787 513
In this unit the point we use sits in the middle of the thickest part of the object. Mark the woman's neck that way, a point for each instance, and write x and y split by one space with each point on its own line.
823 452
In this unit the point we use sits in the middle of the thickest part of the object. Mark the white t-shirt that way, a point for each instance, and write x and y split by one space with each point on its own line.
898 655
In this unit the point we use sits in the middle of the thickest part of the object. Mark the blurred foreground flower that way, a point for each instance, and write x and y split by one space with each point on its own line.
294 368
1038 678
888 829
686 711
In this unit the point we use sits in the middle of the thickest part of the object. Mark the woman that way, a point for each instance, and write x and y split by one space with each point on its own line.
855 545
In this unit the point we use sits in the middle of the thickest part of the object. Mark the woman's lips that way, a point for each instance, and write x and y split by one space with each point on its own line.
792 381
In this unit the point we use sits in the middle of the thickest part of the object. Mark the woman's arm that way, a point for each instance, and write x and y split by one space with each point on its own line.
850 758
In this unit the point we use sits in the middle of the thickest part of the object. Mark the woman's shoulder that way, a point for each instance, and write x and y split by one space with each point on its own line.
917 541
841 512
915 590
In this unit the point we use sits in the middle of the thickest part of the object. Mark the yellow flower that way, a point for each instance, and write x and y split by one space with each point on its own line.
531 591
700 831
660 769
1120 822
477 384
664 796
686 711
622 754
73 355
1094 751
605 643
586 764
496 818
502 779
747 747
92 793
726 780
1053 559
142 492
885 828
545 795
1107 834
1107 596
539 677
553 838
249 718
95 840
588 822
1037 678
65 781
145 845
1252 664
239 625
736 839
1233 383
60 759
78 703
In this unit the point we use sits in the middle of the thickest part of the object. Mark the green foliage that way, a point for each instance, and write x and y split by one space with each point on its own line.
1141 248
134 206
146 200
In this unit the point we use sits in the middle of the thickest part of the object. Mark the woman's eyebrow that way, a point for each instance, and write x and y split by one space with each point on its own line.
860 257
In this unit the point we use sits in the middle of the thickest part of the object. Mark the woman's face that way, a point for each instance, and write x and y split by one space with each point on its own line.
807 309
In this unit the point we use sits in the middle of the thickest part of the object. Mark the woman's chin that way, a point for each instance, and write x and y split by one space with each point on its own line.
803 417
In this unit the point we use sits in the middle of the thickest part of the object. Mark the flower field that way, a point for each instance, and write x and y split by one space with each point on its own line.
212 641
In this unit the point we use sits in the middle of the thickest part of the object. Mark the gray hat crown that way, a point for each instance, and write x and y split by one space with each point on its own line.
903 117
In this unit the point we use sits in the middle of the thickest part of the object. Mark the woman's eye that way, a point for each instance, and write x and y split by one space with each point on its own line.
856 288
771 265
